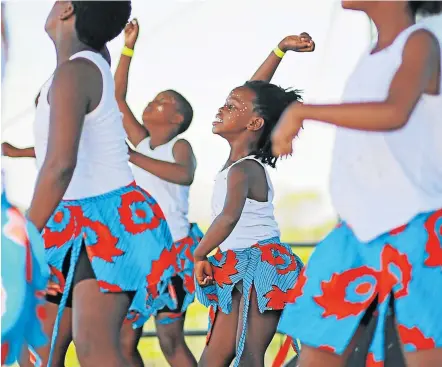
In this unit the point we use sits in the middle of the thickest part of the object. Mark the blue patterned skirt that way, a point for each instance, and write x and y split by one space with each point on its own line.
344 276
24 279
270 267
128 243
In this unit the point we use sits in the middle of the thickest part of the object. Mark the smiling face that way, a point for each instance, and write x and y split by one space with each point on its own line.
162 110
237 115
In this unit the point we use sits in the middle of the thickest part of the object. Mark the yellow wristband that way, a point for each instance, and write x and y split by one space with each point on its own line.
127 51
278 52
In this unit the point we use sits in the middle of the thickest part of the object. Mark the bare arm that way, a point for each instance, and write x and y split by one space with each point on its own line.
301 43
238 182
73 84
419 66
182 172
420 60
9 150
134 130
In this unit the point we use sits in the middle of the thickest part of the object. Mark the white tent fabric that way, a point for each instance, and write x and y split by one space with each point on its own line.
202 49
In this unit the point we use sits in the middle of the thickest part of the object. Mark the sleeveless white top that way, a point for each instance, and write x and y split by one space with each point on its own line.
257 221
381 180
103 159
172 198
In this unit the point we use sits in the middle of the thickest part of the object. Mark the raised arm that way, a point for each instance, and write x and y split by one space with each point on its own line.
182 172
134 130
419 70
74 90
301 43
8 150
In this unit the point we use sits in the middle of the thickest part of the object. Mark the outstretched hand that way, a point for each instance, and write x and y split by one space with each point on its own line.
301 43
9 150
131 32
287 129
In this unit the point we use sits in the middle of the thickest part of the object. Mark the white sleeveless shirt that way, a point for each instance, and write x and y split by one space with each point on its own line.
257 221
172 198
381 180
103 159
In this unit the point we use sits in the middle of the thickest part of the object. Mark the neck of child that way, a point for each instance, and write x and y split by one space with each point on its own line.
66 46
241 149
160 135
387 29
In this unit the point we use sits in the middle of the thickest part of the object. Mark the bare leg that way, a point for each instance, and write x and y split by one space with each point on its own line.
97 321
261 328
221 349
129 344
173 344
427 358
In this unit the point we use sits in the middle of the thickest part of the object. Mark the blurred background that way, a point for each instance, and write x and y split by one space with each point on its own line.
203 49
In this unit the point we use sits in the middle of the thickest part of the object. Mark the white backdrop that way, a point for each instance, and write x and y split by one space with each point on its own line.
203 49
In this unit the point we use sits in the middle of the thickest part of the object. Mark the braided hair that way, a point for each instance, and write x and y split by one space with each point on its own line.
269 103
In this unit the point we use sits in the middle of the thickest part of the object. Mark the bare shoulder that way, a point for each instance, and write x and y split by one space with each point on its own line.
422 40
182 148
250 168
182 144
78 67
79 75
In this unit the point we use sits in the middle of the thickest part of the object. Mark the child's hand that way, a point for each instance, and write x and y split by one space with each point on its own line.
9 150
131 34
203 273
288 127
53 288
301 43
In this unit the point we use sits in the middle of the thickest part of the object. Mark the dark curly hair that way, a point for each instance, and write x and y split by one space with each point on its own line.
425 7
98 22
269 103
184 108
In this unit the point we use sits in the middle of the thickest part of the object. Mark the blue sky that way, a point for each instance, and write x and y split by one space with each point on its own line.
203 49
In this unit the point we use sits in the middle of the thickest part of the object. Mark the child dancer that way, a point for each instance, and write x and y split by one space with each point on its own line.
23 276
104 236
387 188
164 166
244 283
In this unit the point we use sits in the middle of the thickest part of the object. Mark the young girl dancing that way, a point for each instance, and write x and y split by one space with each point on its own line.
104 236
240 283
387 189
164 165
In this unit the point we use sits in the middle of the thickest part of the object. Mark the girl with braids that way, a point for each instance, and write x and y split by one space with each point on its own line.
241 282
386 185
104 236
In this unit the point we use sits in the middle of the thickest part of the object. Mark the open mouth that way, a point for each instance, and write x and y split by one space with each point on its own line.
217 121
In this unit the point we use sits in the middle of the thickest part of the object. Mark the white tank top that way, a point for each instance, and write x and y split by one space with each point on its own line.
381 180
257 221
103 159
172 198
